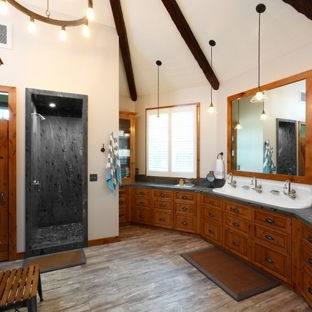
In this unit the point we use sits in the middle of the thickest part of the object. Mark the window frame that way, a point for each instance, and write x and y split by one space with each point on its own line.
197 166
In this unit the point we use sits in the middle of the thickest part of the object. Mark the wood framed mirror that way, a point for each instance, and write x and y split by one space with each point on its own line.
272 139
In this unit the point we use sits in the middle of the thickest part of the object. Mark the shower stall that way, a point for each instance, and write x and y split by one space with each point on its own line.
56 171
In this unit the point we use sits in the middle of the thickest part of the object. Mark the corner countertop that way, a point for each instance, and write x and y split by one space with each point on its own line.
303 214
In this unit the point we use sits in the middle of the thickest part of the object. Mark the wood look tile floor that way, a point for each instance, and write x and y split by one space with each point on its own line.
144 272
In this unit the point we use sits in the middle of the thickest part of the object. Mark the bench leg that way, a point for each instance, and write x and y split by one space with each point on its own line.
40 288
32 305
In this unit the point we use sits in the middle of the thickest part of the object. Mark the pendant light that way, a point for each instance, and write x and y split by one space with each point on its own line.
211 108
158 63
238 126
260 95
263 115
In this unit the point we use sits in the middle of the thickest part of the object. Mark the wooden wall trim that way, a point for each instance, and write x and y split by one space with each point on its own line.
307 178
103 241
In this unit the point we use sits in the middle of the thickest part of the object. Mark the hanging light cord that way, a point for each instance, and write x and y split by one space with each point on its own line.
259 50
48 12
158 91
211 68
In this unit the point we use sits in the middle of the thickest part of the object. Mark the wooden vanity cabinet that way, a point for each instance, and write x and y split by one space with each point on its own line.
185 211
124 205
211 219
142 206
163 208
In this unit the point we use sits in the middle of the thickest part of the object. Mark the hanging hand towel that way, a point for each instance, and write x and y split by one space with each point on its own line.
113 170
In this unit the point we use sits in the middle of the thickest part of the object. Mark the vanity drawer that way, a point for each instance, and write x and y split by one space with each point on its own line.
273 220
272 261
238 210
307 234
143 216
163 195
185 207
122 215
236 243
123 200
212 213
213 231
211 201
185 196
307 255
237 224
307 286
143 192
186 223
163 218
275 239
163 205
142 202
123 191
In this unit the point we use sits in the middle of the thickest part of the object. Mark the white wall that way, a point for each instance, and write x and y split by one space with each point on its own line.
126 104
208 126
86 66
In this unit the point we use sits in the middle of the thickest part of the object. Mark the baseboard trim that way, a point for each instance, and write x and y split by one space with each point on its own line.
103 241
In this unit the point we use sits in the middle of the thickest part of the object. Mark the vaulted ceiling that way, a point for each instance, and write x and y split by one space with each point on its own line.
152 35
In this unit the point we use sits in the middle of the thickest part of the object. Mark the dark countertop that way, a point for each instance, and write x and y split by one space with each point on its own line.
303 214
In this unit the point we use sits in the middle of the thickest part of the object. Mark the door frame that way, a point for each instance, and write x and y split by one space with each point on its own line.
12 170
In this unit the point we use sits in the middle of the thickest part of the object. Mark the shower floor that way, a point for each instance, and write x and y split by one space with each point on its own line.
57 235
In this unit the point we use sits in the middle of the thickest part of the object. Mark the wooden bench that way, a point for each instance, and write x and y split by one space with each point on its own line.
19 287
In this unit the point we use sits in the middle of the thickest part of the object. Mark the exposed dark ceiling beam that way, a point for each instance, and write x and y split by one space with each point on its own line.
302 6
124 46
189 38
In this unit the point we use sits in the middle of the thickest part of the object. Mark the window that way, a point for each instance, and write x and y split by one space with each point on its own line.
171 143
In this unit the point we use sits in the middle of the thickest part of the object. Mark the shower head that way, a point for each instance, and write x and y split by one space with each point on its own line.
39 115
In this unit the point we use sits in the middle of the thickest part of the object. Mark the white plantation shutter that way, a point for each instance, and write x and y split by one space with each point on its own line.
172 142
158 142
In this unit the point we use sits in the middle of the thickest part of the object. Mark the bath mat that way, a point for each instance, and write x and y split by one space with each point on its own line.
59 260
234 276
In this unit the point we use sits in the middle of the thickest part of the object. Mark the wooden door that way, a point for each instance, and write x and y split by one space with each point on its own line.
4 188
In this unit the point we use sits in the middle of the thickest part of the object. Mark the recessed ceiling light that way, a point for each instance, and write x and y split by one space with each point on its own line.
52 105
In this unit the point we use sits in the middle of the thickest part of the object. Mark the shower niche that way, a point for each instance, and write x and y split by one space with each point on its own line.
56 171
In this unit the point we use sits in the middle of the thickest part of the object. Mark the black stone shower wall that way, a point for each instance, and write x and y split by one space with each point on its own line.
60 171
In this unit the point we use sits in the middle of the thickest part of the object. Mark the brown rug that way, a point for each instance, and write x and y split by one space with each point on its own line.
58 261
234 276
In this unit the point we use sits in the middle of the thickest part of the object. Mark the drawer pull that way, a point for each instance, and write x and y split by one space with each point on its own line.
310 290
235 244
310 239
162 195
310 261
235 224
184 223
211 214
235 210
269 237
269 220
184 197
184 209
210 231
269 260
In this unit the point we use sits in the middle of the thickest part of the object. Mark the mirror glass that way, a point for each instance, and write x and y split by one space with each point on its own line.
270 137
4 106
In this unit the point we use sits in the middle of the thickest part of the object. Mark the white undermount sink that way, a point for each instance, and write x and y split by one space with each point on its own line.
278 199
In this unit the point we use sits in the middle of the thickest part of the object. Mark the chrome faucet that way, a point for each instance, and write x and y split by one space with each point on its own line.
231 180
288 190
256 186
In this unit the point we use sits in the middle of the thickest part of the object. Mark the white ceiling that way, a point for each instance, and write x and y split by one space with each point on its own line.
232 23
